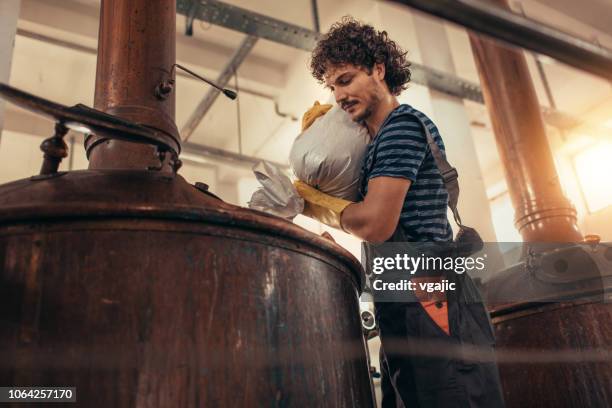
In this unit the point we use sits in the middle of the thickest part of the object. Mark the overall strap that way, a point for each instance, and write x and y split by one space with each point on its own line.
448 172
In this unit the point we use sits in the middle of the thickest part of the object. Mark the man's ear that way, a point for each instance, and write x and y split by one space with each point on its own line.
379 71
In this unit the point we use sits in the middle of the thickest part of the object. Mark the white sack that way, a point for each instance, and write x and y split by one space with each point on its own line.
329 154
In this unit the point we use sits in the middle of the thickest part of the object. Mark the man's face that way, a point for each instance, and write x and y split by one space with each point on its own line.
356 91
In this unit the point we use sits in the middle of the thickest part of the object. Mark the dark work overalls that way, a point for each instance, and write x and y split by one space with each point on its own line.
414 380
412 375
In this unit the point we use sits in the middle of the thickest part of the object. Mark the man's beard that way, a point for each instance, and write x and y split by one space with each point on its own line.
369 108
366 114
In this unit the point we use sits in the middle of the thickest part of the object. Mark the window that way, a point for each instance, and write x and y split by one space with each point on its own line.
593 168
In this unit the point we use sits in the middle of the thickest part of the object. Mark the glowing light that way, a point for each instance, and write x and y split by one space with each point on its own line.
577 144
594 167
502 215
497 189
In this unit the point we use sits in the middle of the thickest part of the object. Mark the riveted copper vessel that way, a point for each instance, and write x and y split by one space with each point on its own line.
141 290
562 310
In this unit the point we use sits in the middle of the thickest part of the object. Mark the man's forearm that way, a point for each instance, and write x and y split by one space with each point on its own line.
359 220
375 218
355 221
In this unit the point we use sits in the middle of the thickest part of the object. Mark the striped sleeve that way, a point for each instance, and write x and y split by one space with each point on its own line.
401 148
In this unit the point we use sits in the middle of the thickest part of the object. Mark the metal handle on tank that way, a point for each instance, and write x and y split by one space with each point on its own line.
86 120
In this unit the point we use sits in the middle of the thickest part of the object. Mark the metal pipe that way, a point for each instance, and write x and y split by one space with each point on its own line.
227 92
315 16
132 62
504 25
543 213
238 121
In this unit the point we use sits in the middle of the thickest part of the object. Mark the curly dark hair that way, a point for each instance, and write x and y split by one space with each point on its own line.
351 42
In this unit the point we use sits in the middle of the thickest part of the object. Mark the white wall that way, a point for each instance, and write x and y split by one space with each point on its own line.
9 13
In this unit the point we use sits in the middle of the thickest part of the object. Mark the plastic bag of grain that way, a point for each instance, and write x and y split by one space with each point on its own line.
328 155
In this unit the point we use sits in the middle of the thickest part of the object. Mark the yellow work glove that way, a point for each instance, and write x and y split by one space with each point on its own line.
313 113
320 206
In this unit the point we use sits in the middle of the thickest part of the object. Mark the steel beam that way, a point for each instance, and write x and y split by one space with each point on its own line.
248 22
200 111
432 78
445 83
438 80
519 31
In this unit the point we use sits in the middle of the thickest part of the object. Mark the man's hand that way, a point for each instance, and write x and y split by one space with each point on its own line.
376 217
320 206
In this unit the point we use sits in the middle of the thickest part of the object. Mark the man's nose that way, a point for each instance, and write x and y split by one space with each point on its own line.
340 95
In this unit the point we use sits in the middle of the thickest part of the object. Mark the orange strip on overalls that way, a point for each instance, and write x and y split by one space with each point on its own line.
438 314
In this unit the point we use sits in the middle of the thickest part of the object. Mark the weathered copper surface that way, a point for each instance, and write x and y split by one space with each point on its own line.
136 51
166 296
579 326
543 214
562 311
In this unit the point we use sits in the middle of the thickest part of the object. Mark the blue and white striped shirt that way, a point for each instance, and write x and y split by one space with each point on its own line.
400 150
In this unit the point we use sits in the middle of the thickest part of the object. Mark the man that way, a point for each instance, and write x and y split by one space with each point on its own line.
404 199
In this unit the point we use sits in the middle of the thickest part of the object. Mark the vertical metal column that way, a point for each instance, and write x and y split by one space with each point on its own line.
316 25
543 213
136 51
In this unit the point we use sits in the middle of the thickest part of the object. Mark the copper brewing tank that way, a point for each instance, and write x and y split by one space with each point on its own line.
557 300
142 290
